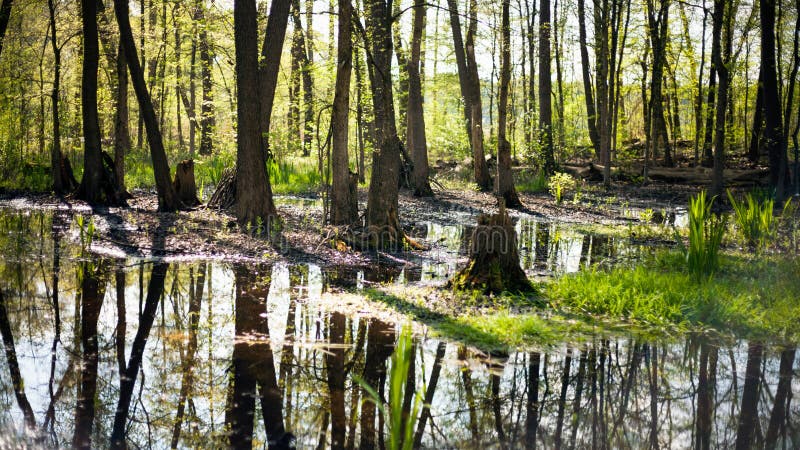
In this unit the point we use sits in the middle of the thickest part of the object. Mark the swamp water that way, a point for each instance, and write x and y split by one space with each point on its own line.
212 354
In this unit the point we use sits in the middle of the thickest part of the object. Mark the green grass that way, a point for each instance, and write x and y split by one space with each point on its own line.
747 297
754 219
706 231
531 182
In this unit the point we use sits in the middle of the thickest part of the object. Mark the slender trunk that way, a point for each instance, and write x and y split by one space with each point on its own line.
504 182
344 205
773 127
721 57
122 136
207 118
271 49
416 139
748 416
698 100
591 114
545 90
757 137
167 199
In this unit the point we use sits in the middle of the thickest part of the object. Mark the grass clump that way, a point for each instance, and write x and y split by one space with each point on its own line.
532 182
754 219
559 183
706 231
755 297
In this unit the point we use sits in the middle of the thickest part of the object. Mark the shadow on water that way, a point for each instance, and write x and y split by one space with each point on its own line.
125 354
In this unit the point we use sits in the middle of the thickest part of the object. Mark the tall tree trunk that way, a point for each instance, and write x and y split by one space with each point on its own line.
344 205
382 214
5 15
756 143
416 139
167 198
468 93
207 117
253 192
708 156
698 100
504 182
96 186
63 179
721 57
591 114
122 135
773 126
658 30
545 90
271 49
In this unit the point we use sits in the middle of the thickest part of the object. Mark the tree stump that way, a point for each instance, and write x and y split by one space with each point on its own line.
493 265
184 183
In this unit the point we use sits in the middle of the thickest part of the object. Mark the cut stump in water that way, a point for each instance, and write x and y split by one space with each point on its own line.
493 258
184 183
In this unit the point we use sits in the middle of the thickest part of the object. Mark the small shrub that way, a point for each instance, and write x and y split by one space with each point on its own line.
532 182
559 183
706 231
754 219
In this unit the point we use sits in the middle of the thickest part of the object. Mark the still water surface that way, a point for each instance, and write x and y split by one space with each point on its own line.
157 354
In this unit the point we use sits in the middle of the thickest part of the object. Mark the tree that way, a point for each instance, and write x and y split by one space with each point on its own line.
97 185
657 22
167 198
470 90
721 58
122 135
382 216
344 203
63 179
207 117
415 130
5 15
545 90
270 63
253 192
773 126
504 183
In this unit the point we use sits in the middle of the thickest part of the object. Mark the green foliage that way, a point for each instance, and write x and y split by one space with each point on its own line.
706 231
294 176
756 297
400 428
532 182
559 183
754 219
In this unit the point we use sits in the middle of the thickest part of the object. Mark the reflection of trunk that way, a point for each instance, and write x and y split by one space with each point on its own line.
748 416
628 383
576 408
120 331
562 399
704 400
13 366
429 392
497 411
187 379
334 363
469 395
92 293
651 357
410 389
155 289
780 409
532 406
379 348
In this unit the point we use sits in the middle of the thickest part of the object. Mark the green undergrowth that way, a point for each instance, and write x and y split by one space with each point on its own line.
749 297
657 299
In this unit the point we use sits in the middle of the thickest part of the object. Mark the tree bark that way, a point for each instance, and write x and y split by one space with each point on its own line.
122 135
344 207
721 57
382 214
504 182
63 178
253 192
167 199
591 114
271 49
773 126
5 15
416 139
469 89
545 90
207 118
658 28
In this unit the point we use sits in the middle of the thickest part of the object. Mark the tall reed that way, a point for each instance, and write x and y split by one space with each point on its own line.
706 231
754 219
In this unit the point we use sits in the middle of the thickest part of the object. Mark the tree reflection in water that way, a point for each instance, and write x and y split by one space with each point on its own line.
267 348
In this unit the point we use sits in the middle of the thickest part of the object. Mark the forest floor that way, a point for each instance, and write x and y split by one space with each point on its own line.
201 233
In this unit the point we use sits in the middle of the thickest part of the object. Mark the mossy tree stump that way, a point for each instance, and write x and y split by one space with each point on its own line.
493 258
184 183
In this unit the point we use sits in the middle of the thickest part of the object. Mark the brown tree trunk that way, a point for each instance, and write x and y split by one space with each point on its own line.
748 416
470 89
271 49
344 206
63 178
721 57
184 183
97 185
504 183
545 90
773 126
5 15
416 139
382 214
254 204
207 118
167 199
122 135
658 26
591 114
